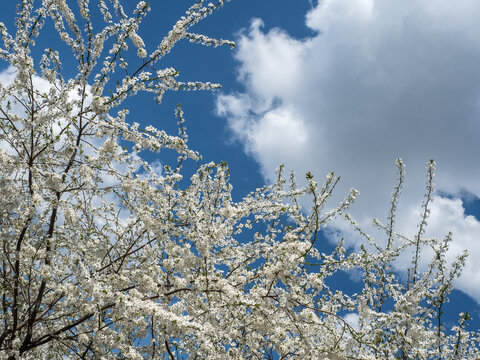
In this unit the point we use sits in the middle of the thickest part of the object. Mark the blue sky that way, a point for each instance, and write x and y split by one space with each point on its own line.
337 85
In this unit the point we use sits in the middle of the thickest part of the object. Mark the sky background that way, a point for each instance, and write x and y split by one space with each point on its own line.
337 85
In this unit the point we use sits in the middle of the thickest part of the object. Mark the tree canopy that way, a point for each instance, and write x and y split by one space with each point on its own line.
106 256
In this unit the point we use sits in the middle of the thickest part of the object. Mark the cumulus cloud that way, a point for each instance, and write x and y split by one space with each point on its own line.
352 319
378 81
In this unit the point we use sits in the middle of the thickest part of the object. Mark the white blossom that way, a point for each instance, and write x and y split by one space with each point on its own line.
141 53
106 256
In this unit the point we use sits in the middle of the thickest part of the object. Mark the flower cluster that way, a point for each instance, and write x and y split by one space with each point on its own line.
106 256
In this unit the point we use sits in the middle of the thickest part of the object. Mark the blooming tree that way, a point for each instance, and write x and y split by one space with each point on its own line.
103 256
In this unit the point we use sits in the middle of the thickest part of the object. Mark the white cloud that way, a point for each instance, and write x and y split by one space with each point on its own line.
449 215
8 75
380 80
352 319
263 62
